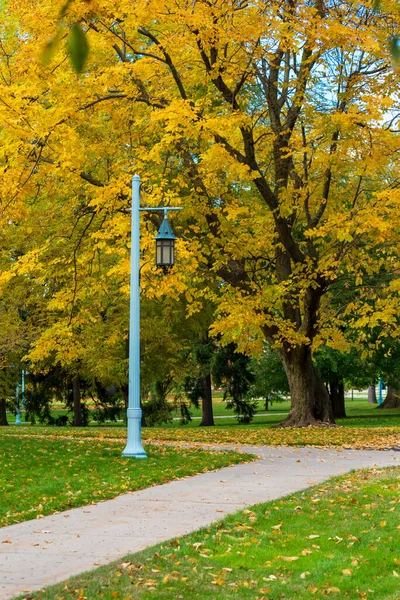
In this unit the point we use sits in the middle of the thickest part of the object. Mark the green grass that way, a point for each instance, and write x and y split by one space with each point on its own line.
42 475
365 428
359 413
339 539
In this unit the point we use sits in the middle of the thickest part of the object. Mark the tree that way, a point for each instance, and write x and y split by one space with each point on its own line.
392 399
270 381
265 120
231 372
198 384
372 394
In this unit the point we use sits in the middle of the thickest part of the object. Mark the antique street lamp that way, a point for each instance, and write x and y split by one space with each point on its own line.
165 240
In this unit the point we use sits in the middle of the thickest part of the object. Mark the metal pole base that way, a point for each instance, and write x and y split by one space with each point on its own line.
134 448
18 418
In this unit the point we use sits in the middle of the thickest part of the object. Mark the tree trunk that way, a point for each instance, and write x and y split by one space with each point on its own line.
323 410
125 394
392 399
372 395
337 399
76 393
310 403
3 412
207 418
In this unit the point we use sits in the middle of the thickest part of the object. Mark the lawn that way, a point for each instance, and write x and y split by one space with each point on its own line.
40 475
365 428
339 539
359 414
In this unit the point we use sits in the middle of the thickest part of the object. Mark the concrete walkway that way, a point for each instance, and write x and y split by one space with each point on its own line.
46 551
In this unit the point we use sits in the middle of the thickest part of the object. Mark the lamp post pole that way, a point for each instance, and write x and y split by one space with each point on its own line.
134 446
18 413
380 399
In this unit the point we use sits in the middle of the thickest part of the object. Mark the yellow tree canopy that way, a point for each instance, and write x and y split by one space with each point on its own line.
273 124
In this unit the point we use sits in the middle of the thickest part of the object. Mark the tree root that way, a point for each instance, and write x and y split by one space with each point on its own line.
292 421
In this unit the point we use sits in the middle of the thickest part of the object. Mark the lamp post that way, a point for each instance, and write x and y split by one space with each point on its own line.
18 413
380 399
20 399
165 239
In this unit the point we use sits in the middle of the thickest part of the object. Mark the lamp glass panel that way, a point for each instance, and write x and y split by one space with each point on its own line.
164 252
158 252
170 253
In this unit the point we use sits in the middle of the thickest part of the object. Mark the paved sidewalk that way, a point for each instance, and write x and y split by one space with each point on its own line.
46 551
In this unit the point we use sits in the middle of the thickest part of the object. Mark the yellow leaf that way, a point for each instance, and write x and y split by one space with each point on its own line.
304 575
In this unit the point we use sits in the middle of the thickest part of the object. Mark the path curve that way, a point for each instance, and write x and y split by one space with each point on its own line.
42 552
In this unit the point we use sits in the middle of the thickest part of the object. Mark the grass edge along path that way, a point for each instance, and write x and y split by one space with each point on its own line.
337 539
41 476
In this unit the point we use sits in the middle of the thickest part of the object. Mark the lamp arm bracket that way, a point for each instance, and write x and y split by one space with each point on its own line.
163 208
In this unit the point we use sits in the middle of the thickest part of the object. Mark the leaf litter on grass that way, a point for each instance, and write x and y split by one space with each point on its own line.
362 438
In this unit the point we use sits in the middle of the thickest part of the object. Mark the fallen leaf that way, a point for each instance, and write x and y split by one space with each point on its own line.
304 575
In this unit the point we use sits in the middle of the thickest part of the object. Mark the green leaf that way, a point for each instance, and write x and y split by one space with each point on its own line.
64 9
50 48
78 47
395 48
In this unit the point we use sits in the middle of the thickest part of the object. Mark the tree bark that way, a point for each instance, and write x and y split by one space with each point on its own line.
207 418
323 410
392 399
310 403
336 388
125 394
3 412
372 395
76 393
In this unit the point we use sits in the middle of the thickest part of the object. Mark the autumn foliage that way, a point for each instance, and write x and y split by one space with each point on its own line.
275 126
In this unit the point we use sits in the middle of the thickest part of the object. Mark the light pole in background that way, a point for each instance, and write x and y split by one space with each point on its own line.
380 388
20 399
165 239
